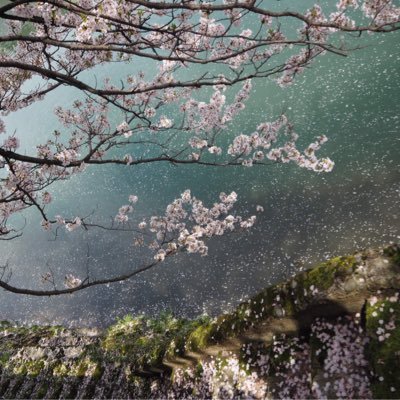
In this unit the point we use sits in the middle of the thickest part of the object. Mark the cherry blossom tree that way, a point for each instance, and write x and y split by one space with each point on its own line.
223 44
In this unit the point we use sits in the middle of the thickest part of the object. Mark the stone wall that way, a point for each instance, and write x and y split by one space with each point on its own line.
330 332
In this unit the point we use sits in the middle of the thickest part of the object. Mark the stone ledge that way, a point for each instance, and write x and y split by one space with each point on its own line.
127 359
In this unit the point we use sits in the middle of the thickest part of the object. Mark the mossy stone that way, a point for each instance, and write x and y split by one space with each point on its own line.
384 355
200 337
393 252
323 276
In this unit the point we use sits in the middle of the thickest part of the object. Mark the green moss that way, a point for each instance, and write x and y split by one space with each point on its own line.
393 252
122 337
35 367
251 312
146 341
25 335
323 276
269 296
199 370
55 330
60 370
384 355
94 351
278 296
4 357
98 372
81 368
261 306
252 309
142 342
201 337
31 368
4 325
150 351
228 325
178 343
176 347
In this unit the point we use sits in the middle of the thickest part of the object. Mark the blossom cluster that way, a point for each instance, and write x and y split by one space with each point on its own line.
187 223
257 147
100 31
59 41
378 309
345 372
202 117
219 378
287 368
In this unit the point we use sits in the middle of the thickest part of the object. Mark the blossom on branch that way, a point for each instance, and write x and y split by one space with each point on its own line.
160 114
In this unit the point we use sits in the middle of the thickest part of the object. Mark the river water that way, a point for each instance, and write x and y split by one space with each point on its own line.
308 217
